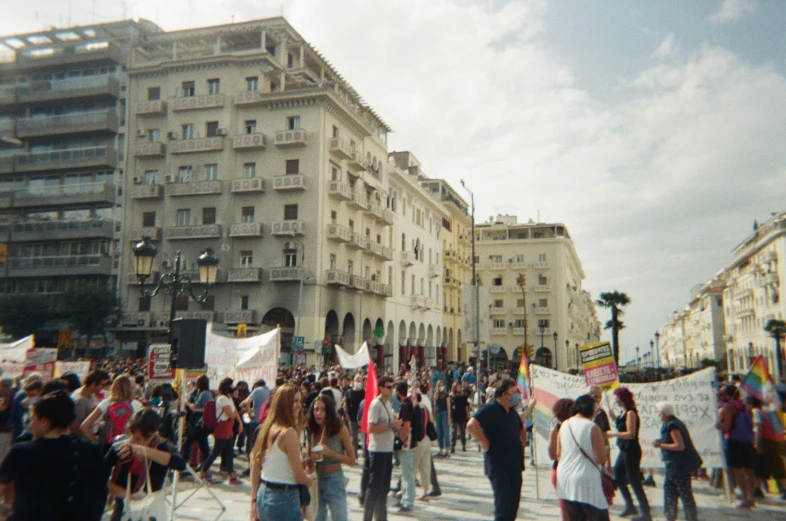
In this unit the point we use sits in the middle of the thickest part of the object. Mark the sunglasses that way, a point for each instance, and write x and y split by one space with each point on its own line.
388 387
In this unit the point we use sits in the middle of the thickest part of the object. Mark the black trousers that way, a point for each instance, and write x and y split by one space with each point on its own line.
364 476
376 503
584 512
675 488
198 435
626 470
507 495
225 449
434 482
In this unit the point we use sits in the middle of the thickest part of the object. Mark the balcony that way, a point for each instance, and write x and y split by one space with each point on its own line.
387 253
243 316
248 185
286 274
518 331
7 96
359 283
154 232
359 200
138 319
542 311
205 231
67 265
518 265
498 289
7 127
768 279
133 279
498 311
66 158
289 182
70 88
339 278
540 265
89 193
381 214
746 313
6 164
197 188
245 230
451 282
434 271
290 138
145 192
289 228
499 331
207 101
407 258
516 311
340 148
336 232
542 288
204 144
245 275
378 250
339 190
67 124
149 150
63 56
248 98
358 161
494 265
151 108
357 241
207 316
450 256
60 230
255 141
465 239
743 294
418 302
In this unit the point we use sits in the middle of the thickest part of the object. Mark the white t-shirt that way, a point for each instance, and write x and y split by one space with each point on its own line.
381 412
103 406
221 402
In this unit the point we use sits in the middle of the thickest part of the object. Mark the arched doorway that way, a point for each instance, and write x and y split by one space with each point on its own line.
348 333
286 320
412 341
330 338
390 343
459 343
403 342
498 360
543 357
368 334
431 350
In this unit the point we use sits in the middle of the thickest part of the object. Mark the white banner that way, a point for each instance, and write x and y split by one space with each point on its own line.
348 361
16 352
247 359
82 369
692 396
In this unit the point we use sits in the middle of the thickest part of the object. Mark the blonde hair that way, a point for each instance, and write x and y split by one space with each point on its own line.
280 417
122 390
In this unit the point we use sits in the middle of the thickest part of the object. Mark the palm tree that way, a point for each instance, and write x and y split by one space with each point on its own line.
777 330
614 301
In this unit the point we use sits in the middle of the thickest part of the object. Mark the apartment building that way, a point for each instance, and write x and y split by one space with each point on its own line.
558 313
63 124
414 310
457 261
244 139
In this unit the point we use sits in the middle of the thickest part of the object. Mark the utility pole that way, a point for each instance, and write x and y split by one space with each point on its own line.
522 282
477 294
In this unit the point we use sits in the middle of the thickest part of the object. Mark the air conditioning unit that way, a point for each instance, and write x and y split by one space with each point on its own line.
137 180
169 178
161 323
140 322
171 135
165 264
140 132
221 132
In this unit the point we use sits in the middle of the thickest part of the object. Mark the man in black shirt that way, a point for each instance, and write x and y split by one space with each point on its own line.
352 399
56 477
500 432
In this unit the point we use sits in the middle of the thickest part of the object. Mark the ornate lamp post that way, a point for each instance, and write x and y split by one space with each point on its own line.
556 365
657 351
477 292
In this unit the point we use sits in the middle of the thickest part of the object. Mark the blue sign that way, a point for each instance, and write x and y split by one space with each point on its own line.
298 342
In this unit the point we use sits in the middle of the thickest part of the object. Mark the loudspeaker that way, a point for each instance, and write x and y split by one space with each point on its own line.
188 343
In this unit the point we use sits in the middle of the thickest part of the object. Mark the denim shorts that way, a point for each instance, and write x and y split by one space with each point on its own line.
281 505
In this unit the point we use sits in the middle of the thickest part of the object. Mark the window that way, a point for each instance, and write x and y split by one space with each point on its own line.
496 258
148 219
293 123
518 258
211 129
271 49
247 214
334 172
290 61
144 304
246 259
333 217
351 225
544 302
413 284
335 131
211 172
520 303
209 215
153 135
189 89
544 323
290 258
499 323
244 302
290 212
153 93
252 83
214 86
403 242
499 303
181 304
497 281
184 174
151 177
184 217
350 267
332 261
403 283
292 166
188 131
251 126
541 257
249 170
519 322
542 280
209 304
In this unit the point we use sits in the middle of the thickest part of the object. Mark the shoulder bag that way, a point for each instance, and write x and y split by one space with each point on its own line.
606 480
152 506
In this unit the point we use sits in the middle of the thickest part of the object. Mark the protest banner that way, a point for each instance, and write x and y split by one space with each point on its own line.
349 361
159 368
16 352
81 369
246 359
597 360
40 360
692 396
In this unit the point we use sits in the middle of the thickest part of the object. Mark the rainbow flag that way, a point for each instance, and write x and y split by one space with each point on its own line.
757 378
522 382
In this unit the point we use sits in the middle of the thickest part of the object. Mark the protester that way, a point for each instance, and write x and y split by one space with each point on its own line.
276 469
681 460
601 419
421 458
498 429
6 427
239 395
442 421
115 412
405 451
627 467
252 406
223 436
71 380
381 426
325 430
736 423
197 432
562 410
766 443
352 400
23 399
56 476
459 415
85 398
581 450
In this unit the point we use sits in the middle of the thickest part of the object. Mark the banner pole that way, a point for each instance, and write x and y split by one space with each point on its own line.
534 446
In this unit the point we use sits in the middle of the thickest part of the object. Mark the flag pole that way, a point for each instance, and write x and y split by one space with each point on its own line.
534 446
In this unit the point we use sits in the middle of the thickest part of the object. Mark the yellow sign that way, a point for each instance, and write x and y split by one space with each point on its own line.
242 330
64 339
599 367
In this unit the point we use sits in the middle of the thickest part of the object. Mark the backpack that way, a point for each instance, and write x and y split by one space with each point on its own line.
117 417
418 430
209 415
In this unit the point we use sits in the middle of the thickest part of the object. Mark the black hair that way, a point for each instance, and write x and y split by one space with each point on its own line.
584 405
139 379
52 386
503 386
71 380
203 383
145 421
96 377
332 419
280 382
384 381
402 387
225 387
57 407
259 383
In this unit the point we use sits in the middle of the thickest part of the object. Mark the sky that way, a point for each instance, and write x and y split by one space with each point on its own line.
654 130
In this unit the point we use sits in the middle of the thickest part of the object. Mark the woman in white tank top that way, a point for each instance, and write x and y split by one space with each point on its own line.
578 478
276 467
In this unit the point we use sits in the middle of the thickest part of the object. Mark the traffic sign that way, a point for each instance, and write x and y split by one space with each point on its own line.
298 342
495 349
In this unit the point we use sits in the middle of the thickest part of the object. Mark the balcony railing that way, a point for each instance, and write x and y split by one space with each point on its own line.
745 313
60 265
243 316
66 158
381 214
542 288
68 88
357 241
337 277
290 228
516 311
434 271
336 232
149 150
255 141
251 97
205 231
499 331
498 289
145 191
205 144
154 232
283 274
518 331
542 311
518 265
418 302
407 258
540 265
360 283
197 188
138 319
245 275
498 311
289 182
207 101
65 123
340 148
291 138
48 230
245 230
339 190
248 185
494 265
359 200
151 108
65 194
7 164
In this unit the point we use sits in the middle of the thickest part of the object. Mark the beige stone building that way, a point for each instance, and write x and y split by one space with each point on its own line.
560 315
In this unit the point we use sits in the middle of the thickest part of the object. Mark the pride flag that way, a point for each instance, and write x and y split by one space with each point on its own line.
522 382
757 379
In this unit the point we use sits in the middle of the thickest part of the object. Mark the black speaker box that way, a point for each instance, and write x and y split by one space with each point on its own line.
188 343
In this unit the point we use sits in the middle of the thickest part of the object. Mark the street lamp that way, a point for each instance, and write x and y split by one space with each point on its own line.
522 282
556 365
652 347
477 290
657 351
638 362
567 352
578 359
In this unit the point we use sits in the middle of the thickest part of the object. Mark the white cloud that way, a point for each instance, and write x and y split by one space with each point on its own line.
732 10
666 49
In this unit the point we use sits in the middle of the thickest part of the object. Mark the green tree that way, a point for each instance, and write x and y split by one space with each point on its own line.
88 306
615 301
777 330
23 314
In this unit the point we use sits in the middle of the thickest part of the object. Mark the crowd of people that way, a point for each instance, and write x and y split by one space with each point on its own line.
114 436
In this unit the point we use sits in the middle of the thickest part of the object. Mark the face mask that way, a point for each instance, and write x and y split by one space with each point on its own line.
515 400
358 385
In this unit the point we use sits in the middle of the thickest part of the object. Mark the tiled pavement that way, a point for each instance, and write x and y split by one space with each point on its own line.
466 495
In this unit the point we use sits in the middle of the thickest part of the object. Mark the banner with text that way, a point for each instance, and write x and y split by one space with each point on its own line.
81 369
159 363
597 361
692 396
247 359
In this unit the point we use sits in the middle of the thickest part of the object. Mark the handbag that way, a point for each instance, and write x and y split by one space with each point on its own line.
431 431
152 506
606 480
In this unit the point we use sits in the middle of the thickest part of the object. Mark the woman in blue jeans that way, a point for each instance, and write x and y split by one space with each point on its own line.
441 420
328 433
